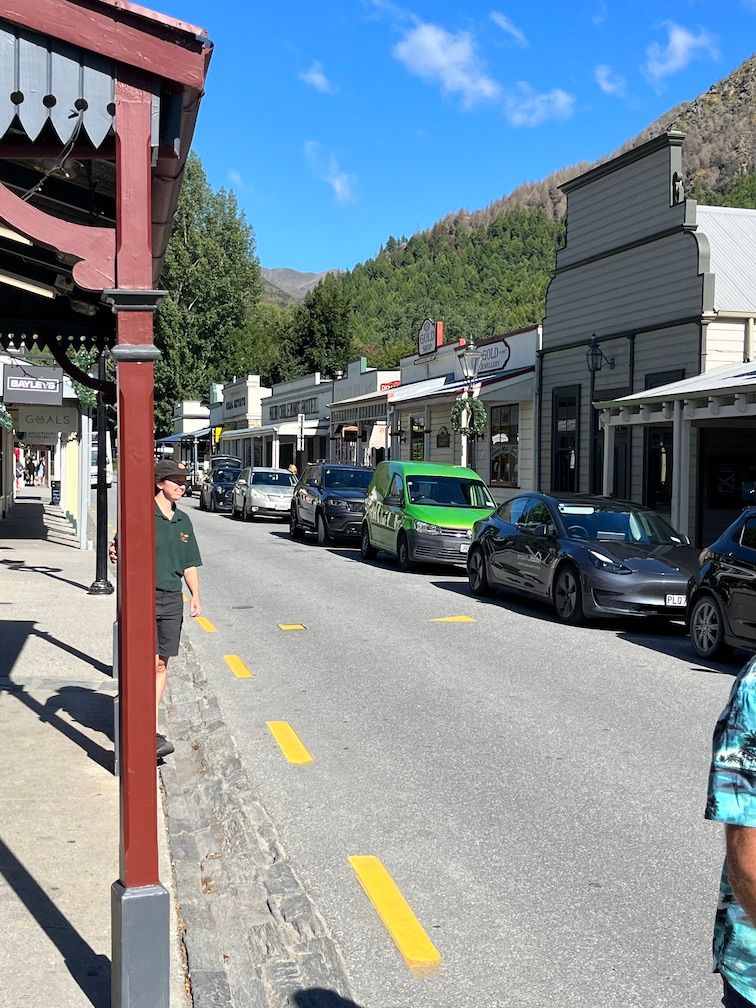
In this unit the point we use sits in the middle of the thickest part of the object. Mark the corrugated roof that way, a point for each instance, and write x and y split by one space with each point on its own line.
730 379
732 237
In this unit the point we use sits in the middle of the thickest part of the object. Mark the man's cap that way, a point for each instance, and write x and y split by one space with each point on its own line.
168 469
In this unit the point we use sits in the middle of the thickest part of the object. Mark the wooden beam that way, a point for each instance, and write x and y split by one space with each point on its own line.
94 247
108 34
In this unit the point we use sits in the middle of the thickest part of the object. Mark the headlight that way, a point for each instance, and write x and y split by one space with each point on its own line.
334 502
421 526
255 493
606 564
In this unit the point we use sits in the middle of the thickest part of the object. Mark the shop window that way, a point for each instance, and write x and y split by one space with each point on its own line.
505 444
565 440
417 439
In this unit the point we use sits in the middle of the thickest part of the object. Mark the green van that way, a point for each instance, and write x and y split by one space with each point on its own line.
423 512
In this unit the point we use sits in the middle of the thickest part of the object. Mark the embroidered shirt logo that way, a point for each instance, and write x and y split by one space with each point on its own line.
184 536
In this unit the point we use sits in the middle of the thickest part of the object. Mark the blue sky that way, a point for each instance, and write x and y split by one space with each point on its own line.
340 124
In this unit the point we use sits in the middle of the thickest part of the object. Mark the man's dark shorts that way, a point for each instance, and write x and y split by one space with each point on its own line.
732 999
169 615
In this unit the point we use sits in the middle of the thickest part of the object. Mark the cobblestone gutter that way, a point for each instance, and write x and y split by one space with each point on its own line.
252 935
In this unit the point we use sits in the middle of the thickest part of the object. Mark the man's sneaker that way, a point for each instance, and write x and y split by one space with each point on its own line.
164 747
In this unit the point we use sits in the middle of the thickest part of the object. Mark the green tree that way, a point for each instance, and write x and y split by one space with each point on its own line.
324 337
213 280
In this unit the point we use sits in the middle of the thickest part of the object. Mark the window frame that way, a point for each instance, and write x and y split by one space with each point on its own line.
564 391
491 425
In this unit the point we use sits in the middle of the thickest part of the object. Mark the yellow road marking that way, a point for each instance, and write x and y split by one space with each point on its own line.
406 931
454 619
291 626
237 666
205 623
291 745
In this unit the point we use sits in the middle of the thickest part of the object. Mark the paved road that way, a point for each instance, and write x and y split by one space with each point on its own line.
536 791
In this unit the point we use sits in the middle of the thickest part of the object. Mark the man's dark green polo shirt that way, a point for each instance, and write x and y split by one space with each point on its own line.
175 549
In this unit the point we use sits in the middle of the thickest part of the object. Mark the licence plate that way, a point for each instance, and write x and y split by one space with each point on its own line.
464 547
675 600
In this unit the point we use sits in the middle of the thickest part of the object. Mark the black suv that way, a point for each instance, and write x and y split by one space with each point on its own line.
329 499
721 610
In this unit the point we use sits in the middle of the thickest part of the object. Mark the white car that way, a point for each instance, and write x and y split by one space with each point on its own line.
262 493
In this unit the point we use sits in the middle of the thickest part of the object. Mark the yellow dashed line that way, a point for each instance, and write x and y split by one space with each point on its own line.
205 623
237 666
406 931
291 626
291 745
454 619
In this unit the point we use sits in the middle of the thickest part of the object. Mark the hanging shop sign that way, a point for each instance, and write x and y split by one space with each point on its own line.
27 384
429 337
63 420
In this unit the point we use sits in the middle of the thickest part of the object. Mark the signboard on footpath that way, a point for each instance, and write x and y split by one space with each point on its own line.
26 384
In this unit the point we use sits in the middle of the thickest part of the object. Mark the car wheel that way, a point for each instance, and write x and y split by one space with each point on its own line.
707 628
367 550
201 503
403 553
234 511
211 505
295 529
477 575
321 530
568 596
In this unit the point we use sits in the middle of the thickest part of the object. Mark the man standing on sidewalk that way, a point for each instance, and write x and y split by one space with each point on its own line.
176 556
732 800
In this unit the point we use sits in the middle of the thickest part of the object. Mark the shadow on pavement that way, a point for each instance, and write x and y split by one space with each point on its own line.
319 997
51 572
90 971
86 706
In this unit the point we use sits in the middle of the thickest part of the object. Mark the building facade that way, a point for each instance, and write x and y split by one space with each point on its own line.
659 283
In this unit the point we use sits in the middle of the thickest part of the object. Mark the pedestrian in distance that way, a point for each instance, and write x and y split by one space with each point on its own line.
293 470
732 801
177 556
41 473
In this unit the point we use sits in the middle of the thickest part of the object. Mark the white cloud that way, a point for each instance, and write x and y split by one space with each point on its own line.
450 59
325 167
316 78
682 46
234 177
611 83
599 17
516 34
526 107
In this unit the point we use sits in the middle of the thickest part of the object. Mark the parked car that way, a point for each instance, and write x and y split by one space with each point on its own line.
217 461
262 493
589 556
722 592
423 512
329 501
217 489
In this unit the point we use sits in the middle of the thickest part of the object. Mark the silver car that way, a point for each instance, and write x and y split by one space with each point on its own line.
262 493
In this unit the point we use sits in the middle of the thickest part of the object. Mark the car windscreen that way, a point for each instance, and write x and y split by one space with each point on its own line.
273 479
448 491
635 525
226 475
347 479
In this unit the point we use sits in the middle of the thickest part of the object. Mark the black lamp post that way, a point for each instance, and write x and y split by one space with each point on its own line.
101 585
470 359
595 359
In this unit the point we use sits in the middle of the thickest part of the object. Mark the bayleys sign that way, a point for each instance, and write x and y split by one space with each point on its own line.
27 384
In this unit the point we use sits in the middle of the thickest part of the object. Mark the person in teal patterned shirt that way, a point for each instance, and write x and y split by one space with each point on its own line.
732 801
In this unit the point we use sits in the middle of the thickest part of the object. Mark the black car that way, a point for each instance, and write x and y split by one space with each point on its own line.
329 499
217 491
587 555
722 592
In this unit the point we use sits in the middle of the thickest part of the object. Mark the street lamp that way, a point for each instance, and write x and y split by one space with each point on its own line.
595 357
470 359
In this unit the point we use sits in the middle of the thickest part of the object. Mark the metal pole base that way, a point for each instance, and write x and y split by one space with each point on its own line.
100 588
140 946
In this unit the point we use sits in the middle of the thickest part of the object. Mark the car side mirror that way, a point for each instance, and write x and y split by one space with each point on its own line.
393 500
548 531
312 482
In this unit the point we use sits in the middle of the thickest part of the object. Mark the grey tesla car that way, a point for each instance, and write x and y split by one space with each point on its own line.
589 556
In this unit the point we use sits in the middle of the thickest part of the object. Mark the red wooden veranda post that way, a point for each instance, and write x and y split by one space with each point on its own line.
140 904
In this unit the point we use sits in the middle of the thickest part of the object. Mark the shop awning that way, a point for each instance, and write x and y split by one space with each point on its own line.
287 428
449 386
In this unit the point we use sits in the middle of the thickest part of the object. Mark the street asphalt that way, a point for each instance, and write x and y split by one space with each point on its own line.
536 791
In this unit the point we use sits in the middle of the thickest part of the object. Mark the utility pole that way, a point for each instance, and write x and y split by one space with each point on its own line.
101 585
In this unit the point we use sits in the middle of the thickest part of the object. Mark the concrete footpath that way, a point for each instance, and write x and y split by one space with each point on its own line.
58 794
